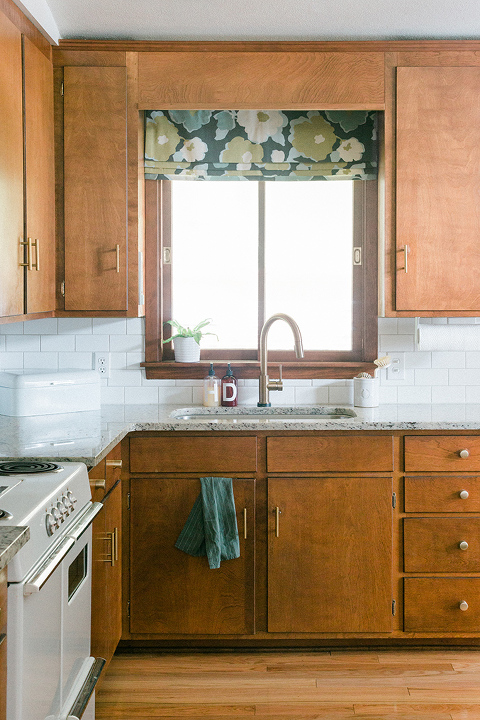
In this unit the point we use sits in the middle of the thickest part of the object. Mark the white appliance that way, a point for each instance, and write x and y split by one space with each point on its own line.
45 392
50 673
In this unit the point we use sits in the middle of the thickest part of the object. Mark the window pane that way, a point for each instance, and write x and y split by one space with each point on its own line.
215 259
308 251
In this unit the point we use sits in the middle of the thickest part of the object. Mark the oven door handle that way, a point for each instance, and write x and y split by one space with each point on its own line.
84 522
37 580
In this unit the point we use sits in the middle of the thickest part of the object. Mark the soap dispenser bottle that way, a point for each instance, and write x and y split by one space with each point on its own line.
211 389
229 389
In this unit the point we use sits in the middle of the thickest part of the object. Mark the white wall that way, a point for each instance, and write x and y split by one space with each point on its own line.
431 377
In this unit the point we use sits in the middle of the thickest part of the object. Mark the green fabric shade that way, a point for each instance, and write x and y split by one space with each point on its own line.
260 145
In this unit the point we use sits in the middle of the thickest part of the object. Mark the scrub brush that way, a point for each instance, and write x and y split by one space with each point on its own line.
383 362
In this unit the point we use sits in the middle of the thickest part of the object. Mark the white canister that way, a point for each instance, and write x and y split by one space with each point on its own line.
365 392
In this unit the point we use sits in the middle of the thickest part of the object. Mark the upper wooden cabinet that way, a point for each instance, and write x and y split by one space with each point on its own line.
95 187
27 187
39 180
438 189
11 169
260 80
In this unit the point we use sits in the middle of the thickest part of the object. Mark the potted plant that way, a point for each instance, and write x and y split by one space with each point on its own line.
187 340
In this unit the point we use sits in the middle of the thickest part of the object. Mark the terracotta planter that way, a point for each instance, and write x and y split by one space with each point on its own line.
186 350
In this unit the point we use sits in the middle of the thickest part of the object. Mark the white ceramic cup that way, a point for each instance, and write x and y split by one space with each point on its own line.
365 392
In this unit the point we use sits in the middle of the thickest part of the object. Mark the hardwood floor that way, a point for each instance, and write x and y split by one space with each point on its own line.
385 685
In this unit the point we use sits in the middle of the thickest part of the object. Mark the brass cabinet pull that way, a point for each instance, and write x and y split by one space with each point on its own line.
36 265
112 538
98 484
115 543
278 512
244 523
27 243
114 463
117 250
406 250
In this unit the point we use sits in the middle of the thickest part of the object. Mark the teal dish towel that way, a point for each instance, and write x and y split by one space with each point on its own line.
211 528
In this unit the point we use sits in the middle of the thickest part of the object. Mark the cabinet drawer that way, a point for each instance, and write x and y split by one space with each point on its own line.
433 545
433 604
197 454
442 452
352 453
442 494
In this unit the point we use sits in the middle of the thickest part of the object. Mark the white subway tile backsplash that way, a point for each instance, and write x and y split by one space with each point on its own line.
92 343
57 343
22 343
446 378
75 326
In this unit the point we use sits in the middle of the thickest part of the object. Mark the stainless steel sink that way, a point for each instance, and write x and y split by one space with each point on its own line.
252 414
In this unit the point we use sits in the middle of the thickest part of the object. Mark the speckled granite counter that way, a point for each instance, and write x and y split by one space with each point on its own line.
88 436
11 540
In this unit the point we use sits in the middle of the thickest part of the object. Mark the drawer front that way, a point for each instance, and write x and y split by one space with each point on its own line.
456 453
442 494
433 604
330 454
433 545
197 454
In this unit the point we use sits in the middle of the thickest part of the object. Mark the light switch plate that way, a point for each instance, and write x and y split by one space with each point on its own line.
396 371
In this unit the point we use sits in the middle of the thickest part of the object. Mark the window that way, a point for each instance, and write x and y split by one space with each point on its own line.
238 252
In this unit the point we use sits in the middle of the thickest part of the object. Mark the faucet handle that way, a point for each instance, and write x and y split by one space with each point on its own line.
280 373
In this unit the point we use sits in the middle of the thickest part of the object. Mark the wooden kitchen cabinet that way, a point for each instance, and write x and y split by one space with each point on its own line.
3 644
27 190
95 188
172 592
437 189
107 576
318 532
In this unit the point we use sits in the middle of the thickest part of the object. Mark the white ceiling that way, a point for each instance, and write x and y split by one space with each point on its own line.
257 19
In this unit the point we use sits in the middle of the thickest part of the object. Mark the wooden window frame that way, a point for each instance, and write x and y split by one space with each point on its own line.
159 362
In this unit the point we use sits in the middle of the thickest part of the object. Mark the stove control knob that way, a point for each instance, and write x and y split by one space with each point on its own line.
71 497
62 510
57 516
68 504
50 524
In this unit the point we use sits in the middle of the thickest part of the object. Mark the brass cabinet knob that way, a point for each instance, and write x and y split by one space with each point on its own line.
463 545
114 463
464 494
98 484
463 605
464 453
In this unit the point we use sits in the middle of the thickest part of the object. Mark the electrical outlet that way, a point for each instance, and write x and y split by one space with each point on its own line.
102 364
396 371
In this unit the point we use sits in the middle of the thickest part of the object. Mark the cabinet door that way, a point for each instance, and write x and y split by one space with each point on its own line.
172 592
106 577
11 170
334 536
39 180
95 102
438 188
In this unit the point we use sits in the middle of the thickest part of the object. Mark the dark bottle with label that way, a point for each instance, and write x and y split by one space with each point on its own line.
229 389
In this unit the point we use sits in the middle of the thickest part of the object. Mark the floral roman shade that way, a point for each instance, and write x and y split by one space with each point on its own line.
260 145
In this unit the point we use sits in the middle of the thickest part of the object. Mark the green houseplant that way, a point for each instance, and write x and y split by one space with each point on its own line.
187 340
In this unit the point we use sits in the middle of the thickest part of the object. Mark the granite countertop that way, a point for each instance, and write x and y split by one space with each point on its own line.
11 540
89 436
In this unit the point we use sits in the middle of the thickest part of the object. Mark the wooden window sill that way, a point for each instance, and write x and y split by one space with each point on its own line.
250 369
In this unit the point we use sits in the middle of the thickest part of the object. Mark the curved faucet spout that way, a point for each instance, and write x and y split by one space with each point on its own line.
264 385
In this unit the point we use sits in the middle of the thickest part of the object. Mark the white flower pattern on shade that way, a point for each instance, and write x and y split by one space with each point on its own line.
162 140
261 124
319 139
194 149
350 150
278 156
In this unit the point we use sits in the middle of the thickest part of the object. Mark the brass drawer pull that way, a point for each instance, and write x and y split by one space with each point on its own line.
244 523
464 494
278 512
463 605
36 265
464 453
98 484
114 463
117 254
463 545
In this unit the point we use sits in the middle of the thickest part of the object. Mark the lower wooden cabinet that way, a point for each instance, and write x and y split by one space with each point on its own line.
172 592
107 577
3 644
334 535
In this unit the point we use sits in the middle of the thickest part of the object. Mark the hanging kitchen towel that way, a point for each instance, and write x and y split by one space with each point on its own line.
211 528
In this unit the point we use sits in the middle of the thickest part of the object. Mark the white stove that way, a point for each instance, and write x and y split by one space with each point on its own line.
50 673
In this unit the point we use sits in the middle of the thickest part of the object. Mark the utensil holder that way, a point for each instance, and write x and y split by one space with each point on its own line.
366 392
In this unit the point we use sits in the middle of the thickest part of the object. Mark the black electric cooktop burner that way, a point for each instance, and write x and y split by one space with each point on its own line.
26 467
